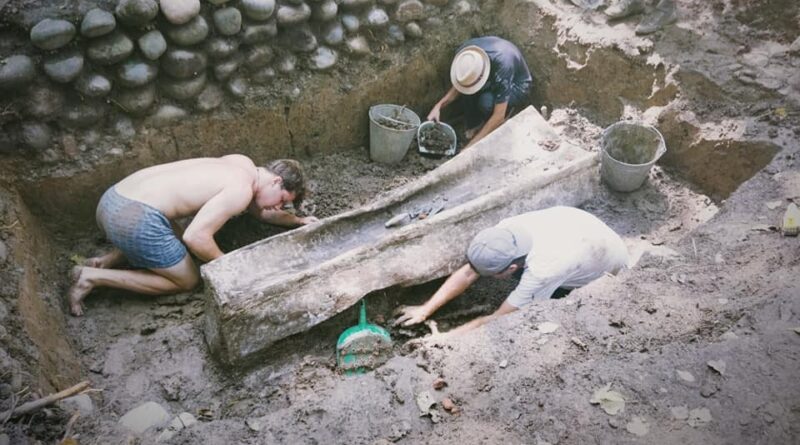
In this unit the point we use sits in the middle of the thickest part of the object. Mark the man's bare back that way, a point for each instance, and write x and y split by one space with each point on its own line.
181 188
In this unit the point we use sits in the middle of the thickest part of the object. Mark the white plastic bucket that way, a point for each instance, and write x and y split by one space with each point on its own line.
389 145
629 151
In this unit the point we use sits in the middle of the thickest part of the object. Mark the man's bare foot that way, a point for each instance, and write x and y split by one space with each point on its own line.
78 291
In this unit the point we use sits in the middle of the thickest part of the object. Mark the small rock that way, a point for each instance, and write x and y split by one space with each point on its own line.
717 365
259 56
613 422
292 15
110 49
52 34
258 9
699 417
410 10
145 416
228 21
137 100
259 33
166 115
237 87
183 89
16 71
136 12
323 59
439 383
254 424
547 327
210 98
191 33
503 364
679 412
300 39
152 45
36 135
180 11
413 30
395 35
708 389
93 85
226 69
124 128
358 46
399 431
333 33
183 64
264 75
65 67
772 205
287 64
135 73
377 18
221 48
686 376
97 23
463 7
325 11
351 23
181 421
81 403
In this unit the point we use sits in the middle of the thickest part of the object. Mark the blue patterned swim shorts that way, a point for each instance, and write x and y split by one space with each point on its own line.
142 233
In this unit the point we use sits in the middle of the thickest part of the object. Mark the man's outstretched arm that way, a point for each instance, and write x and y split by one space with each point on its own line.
454 286
495 120
504 309
284 218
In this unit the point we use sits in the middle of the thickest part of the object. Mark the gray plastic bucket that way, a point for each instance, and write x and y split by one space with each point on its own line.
389 145
629 151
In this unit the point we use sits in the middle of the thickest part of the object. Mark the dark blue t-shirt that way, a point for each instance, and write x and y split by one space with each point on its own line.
509 75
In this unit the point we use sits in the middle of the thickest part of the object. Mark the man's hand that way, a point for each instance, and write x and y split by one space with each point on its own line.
308 220
434 114
409 315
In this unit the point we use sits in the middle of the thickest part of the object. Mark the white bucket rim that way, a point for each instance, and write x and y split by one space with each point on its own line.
662 145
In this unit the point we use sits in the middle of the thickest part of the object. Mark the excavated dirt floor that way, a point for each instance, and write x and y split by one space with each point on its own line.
701 338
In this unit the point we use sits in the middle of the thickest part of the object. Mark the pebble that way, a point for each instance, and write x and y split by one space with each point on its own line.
135 73
354 4
64 68
686 376
193 32
226 69
410 10
287 64
377 18
145 416
181 421
152 45
358 46
325 11
52 34
301 39
259 56
333 33
463 7
237 87
93 85
228 21
180 11
351 23
395 35
220 48
439 3
124 128
264 75
258 9
292 15
136 100
209 99
16 71
44 102
97 23
183 89
81 403
167 114
136 12
259 33
323 59
183 63
36 135
110 49
413 30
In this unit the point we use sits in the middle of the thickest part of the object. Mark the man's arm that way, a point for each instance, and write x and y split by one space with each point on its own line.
199 236
436 111
495 120
454 286
504 309
284 218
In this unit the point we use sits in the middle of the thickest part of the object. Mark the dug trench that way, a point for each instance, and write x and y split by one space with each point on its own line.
712 284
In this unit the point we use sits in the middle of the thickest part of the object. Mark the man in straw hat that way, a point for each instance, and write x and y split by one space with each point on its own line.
559 247
491 76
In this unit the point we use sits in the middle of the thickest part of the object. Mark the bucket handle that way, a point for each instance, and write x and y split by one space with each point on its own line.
362 314
662 145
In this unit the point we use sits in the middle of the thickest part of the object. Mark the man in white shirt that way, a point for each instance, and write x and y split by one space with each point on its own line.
559 247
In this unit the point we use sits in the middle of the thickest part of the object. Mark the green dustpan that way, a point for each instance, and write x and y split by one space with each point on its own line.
362 347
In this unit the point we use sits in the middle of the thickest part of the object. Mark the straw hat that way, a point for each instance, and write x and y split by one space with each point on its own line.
470 70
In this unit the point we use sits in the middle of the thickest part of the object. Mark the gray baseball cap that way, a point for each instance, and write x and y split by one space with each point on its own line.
493 249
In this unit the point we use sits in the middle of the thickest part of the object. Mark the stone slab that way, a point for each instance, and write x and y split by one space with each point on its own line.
280 286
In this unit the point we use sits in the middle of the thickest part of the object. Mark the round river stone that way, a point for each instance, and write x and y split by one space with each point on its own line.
93 85
64 68
228 21
193 32
152 45
258 9
136 12
183 89
52 34
110 49
135 73
97 23
137 100
182 64
16 71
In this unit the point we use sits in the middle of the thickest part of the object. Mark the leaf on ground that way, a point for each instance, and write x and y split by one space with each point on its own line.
717 365
612 402
699 417
77 259
547 327
637 426
686 376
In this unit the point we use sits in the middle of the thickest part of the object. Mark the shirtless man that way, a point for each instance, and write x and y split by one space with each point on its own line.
138 216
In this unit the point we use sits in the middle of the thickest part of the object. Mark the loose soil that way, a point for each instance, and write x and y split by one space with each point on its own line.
435 139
